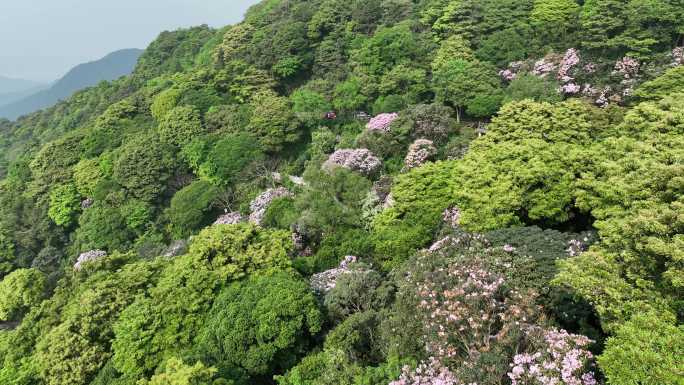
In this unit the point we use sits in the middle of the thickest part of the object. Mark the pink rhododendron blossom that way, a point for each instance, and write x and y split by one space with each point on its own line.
543 67
628 67
89 256
382 122
229 218
570 88
260 204
359 160
561 358
431 372
570 60
419 152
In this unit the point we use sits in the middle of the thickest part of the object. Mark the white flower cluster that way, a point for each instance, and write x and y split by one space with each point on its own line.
89 256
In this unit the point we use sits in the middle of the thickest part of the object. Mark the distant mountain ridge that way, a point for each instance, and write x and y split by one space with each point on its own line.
110 67
11 85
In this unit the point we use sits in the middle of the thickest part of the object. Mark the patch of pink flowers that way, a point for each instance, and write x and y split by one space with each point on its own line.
419 152
229 219
360 160
560 359
382 122
543 67
570 88
260 204
431 372
465 309
570 60
628 67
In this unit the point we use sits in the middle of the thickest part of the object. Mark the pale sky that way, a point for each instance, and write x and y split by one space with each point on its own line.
42 39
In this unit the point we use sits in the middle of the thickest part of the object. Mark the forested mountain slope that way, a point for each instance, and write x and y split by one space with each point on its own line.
110 67
359 192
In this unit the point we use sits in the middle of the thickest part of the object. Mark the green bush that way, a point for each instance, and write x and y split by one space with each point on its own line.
143 167
65 204
260 324
20 291
180 125
190 206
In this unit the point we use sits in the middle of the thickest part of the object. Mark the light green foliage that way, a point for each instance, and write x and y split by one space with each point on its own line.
166 322
178 373
532 87
308 105
348 96
65 204
189 208
555 18
261 324
229 118
143 166
103 227
180 125
272 121
20 291
87 174
463 84
137 214
52 164
228 160
453 48
670 82
420 196
646 350
532 151
165 102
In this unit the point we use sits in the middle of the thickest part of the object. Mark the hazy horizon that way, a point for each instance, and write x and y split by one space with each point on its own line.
81 31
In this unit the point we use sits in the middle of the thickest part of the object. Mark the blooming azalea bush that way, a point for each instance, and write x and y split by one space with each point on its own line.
419 152
359 160
382 122
557 357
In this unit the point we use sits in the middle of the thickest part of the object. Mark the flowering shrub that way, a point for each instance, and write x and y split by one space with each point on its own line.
360 160
628 67
419 152
558 358
89 256
570 88
229 219
543 67
510 73
382 122
570 60
260 204
431 372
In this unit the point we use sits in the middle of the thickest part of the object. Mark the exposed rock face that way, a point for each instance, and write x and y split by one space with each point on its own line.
89 256
678 56
175 249
360 160
260 204
323 282
87 203
419 152
231 218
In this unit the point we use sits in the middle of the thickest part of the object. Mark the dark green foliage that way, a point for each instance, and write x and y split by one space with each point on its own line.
180 125
228 161
531 87
190 206
143 166
261 324
281 214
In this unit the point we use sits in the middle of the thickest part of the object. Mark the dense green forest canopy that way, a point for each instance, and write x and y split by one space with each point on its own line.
359 192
